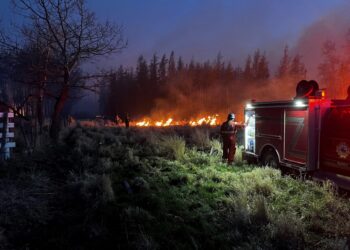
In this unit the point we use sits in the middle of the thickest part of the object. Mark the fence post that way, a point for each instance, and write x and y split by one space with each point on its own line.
6 135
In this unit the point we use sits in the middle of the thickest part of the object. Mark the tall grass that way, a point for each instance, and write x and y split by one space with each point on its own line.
107 188
174 146
200 138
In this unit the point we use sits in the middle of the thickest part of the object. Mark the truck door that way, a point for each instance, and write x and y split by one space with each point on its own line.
249 131
295 134
335 141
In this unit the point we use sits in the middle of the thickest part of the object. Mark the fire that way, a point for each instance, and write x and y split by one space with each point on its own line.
143 124
211 120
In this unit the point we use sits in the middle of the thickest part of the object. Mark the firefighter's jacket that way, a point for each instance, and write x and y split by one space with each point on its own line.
228 131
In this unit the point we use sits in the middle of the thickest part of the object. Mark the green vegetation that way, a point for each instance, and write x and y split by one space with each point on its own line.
115 188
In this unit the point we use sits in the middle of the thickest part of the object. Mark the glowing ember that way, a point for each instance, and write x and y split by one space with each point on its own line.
206 120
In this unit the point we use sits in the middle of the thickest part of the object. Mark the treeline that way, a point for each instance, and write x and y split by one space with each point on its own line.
166 85
334 71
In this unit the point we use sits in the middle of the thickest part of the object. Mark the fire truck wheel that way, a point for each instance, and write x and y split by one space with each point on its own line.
270 159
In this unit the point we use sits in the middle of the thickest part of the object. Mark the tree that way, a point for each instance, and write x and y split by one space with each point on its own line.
153 70
256 64
180 65
284 65
171 65
142 74
297 68
143 91
219 64
328 69
247 73
73 35
162 70
263 69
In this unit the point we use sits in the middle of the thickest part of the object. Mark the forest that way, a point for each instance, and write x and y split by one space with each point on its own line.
168 86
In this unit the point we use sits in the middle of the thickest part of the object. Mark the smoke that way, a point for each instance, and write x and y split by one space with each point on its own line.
201 31
183 99
332 27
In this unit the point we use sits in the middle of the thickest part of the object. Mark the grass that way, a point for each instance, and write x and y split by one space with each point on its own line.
113 188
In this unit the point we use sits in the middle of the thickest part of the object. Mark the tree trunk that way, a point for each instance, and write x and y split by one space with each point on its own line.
56 116
40 104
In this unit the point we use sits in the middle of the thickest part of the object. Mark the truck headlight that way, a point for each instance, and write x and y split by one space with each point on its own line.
249 106
299 103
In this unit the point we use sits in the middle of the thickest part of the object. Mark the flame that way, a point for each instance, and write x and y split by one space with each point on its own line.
211 120
143 123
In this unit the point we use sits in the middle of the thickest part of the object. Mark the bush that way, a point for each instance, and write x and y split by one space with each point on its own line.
288 232
200 138
260 215
238 155
216 147
174 145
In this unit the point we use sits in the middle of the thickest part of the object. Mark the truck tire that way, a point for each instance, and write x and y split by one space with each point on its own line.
270 159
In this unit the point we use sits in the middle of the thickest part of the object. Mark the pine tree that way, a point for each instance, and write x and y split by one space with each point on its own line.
162 70
247 73
329 68
153 70
142 73
297 68
238 74
255 64
219 64
180 65
283 67
171 65
263 69
229 72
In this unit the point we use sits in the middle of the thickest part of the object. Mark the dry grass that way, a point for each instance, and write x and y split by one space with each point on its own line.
149 189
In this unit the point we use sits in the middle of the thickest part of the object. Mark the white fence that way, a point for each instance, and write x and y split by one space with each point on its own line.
6 134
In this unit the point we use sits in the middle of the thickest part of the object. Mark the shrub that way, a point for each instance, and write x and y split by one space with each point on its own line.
200 138
288 232
107 189
139 184
260 215
216 147
238 156
237 217
174 145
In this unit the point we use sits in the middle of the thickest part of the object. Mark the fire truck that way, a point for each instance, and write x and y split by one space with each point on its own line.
309 133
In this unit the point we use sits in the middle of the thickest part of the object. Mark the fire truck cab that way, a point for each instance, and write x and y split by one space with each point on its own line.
309 133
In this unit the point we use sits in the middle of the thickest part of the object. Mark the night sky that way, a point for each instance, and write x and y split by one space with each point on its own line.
200 29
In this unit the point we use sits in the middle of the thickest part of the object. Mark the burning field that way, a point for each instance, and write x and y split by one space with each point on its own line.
210 120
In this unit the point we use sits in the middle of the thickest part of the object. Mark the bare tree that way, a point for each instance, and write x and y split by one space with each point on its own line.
71 34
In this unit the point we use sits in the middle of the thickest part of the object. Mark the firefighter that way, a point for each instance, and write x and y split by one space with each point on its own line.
228 132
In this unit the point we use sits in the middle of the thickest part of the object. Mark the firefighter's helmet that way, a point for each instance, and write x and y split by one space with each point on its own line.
231 116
